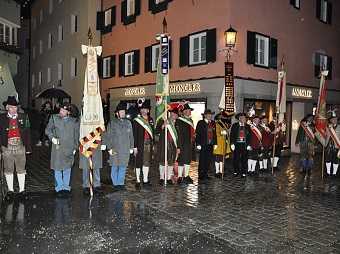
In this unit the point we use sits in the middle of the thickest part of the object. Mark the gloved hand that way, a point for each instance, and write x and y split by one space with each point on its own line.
103 147
232 147
215 147
224 132
199 148
131 151
248 148
55 141
74 152
112 152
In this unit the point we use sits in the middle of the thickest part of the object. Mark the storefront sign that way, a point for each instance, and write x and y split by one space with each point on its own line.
185 88
302 93
134 91
229 87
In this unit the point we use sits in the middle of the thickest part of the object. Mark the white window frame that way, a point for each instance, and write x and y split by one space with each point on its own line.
60 72
50 40
7 32
108 15
297 4
33 80
60 33
262 50
49 75
129 63
74 23
50 7
40 78
33 52
155 52
131 5
106 67
323 61
74 66
41 15
41 47
323 11
201 50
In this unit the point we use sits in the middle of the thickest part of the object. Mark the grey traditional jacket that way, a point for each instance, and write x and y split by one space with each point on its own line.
68 133
97 160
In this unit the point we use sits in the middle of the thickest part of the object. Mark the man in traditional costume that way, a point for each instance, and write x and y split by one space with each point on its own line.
278 138
206 142
305 139
186 144
221 135
332 145
256 143
172 139
143 138
266 143
15 143
240 138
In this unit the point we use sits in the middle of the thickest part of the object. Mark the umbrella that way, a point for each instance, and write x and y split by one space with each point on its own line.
53 93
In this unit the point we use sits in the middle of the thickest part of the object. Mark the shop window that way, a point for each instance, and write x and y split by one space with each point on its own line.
156 6
295 3
199 48
130 9
324 11
106 20
129 63
108 66
261 50
323 61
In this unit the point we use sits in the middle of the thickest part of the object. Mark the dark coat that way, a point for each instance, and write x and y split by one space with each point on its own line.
279 139
187 153
160 156
24 128
138 135
235 128
202 133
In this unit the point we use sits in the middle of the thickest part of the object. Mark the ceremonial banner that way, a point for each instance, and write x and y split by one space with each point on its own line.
321 115
281 100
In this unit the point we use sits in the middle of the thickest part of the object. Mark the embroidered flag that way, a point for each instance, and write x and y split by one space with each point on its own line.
321 115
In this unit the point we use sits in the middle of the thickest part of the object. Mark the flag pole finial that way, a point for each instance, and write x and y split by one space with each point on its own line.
165 26
89 35
282 62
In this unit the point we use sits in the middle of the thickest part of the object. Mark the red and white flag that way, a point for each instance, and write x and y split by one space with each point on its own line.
281 100
321 114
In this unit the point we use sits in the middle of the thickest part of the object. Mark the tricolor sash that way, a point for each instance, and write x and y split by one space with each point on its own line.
256 131
173 132
145 124
187 120
308 130
265 128
335 137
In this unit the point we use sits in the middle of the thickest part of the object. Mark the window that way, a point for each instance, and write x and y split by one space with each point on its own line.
197 53
60 33
129 11
74 23
155 55
107 17
323 61
40 78
41 15
50 40
324 11
33 80
159 1
156 6
49 75
261 50
41 44
151 57
7 33
129 63
60 73
106 20
74 63
295 3
106 67
50 7
33 52
34 23
60 1
130 7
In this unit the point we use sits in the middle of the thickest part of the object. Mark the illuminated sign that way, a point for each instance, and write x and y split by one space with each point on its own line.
135 91
302 93
185 88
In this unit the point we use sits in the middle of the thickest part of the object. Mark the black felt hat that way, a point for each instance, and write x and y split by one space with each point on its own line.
208 112
186 106
65 105
175 111
146 104
237 116
120 106
11 101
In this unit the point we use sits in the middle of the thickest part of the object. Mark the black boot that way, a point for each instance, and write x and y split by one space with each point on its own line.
303 171
309 170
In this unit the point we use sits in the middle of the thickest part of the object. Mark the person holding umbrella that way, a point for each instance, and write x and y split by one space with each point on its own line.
15 142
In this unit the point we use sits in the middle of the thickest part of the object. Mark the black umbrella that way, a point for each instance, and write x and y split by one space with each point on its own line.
53 93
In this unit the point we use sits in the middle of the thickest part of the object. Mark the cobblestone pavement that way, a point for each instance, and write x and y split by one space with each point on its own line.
281 213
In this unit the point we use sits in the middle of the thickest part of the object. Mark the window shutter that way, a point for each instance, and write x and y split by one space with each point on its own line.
318 9
100 20
147 60
113 16
121 65
273 53
136 61
137 7
113 66
123 11
100 67
170 54
151 4
329 13
184 51
329 67
250 47
292 2
317 64
211 45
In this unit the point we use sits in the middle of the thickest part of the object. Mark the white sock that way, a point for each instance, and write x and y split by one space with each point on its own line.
180 171
221 167
265 163
276 160
261 164
249 165
21 181
138 175
254 165
161 172
328 167
186 170
145 174
217 167
170 171
9 180
335 168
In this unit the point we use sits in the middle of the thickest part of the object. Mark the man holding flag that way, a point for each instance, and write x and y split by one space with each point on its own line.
332 145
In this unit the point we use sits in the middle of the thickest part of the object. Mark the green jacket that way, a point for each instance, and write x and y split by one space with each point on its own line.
302 134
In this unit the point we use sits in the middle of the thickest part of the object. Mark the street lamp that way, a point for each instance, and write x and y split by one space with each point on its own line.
230 40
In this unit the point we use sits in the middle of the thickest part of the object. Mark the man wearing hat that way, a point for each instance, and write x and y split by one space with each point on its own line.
221 135
266 143
186 144
240 138
305 139
172 139
206 142
278 138
255 144
119 140
332 145
143 139
63 131
15 142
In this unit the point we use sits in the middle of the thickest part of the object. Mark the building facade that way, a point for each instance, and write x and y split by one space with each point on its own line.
302 33
58 29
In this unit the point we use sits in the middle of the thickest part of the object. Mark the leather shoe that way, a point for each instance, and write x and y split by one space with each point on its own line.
98 190
208 177
218 175
179 181
169 182
121 187
188 180
148 184
138 187
86 191
9 196
23 195
161 182
116 188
